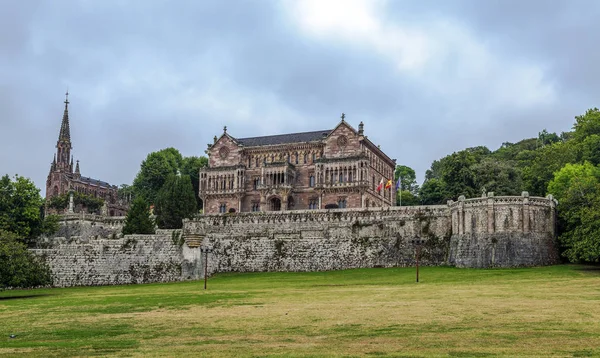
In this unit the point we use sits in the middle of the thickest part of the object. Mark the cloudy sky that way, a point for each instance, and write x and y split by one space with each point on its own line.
426 77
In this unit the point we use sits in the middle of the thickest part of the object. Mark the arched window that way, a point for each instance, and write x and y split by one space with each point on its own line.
311 181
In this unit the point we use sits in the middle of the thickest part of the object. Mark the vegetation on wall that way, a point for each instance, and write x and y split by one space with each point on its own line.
89 202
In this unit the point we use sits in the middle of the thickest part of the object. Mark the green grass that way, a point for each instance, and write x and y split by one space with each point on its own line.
549 311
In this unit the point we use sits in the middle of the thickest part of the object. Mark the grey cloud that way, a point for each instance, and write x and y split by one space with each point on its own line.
130 64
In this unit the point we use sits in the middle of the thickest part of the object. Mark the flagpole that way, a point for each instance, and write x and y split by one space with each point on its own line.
400 178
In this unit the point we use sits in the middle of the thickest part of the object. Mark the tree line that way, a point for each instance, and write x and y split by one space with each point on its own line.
565 165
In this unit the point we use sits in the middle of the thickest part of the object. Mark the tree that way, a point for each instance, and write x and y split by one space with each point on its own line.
191 166
154 171
409 178
587 124
498 176
406 198
175 201
539 170
433 191
21 209
19 268
577 188
138 220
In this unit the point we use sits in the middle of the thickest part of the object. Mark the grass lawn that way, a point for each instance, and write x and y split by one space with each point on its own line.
549 311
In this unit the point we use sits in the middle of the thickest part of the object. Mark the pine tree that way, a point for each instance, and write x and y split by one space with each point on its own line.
175 201
138 219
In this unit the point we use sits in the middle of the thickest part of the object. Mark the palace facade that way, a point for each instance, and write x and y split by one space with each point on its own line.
337 167
64 178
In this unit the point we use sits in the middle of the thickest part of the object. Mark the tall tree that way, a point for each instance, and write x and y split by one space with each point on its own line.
191 166
138 220
577 188
409 178
175 201
154 171
21 209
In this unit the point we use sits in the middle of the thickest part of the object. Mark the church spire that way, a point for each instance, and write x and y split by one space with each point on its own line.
77 168
65 131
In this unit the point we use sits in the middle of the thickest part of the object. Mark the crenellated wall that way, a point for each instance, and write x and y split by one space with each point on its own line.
481 232
504 231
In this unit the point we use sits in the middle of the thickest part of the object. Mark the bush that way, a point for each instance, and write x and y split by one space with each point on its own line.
19 268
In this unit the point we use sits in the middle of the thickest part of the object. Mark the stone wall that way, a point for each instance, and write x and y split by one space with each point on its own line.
320 240
505 231
132 259
481 232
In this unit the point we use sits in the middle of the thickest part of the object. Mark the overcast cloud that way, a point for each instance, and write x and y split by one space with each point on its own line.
426 77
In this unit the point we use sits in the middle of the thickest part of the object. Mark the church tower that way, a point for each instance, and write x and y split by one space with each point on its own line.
64 162
61 169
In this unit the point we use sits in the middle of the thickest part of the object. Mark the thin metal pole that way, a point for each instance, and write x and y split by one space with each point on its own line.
418 252
205 268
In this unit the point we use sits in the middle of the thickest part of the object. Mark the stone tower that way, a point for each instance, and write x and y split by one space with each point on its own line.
62 165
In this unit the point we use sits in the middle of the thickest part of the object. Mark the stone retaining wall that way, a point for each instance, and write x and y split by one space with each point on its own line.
481 232
132 259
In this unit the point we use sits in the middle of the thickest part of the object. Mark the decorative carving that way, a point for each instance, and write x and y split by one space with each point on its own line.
342 141
223 152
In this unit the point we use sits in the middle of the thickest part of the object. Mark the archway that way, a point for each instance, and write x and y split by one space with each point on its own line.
290 203
275 204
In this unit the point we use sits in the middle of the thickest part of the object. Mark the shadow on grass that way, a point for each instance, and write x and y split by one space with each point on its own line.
589 268
24 296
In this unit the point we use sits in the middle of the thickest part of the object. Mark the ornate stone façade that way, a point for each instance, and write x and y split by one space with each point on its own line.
64 178
298 171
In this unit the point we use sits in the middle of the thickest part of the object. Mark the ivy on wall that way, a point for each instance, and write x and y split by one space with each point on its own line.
90 203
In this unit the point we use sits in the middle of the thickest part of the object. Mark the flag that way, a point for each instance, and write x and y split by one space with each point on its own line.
380 186
388 184
398 183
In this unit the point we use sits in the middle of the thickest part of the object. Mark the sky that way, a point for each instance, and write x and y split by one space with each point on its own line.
427 78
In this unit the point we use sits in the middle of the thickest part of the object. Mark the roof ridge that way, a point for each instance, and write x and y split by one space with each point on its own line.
277 135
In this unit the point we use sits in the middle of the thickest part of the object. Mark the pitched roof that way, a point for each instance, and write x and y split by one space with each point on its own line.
97 182
284 138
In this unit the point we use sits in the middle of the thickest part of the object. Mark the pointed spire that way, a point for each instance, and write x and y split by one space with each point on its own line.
77 168
65 131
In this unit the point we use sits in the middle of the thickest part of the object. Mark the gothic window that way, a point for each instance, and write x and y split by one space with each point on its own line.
255 206
341 178
249 162
297 157
223 208
255 183
350 176
305 158
373 182
313 204
313 157
256 162
342 203
311 181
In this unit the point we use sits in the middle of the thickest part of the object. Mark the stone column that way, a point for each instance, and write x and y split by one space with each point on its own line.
461 215
525 196
71 205
490 213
